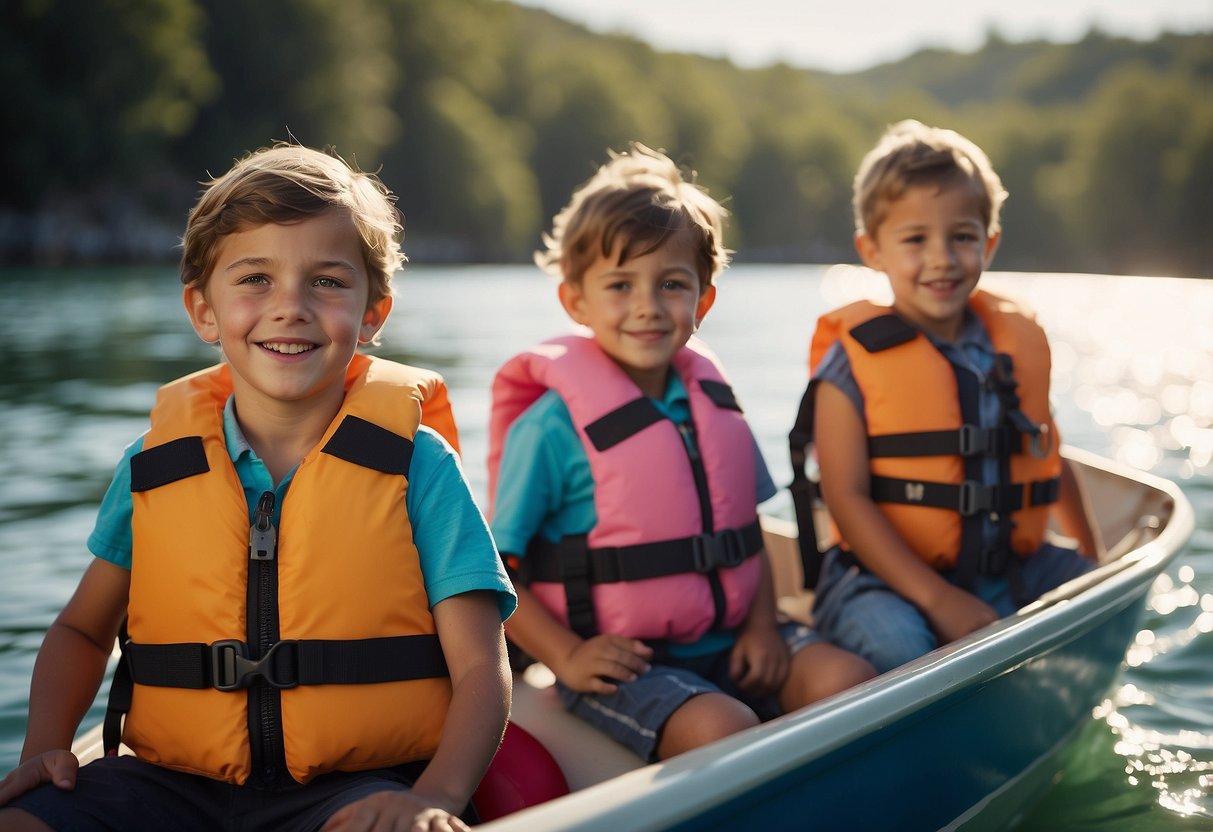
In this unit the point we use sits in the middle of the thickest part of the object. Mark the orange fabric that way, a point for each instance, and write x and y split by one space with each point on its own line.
911 388
347 569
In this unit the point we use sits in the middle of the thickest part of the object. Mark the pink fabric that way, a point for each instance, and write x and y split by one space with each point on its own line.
644 489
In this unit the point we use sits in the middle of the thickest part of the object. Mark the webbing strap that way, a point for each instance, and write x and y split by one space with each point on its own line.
622 422
172 461
967 498
805 492
225 665
371 446
702 553
968 440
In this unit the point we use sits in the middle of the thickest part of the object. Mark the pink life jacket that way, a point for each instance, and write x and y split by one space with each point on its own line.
670 556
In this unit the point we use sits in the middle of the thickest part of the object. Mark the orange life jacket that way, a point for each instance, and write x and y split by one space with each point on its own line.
311 653
925 450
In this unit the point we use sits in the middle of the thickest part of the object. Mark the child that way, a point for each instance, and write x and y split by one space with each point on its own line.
938 455
290 487
627 484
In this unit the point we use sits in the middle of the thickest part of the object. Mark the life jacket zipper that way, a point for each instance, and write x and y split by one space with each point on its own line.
265 701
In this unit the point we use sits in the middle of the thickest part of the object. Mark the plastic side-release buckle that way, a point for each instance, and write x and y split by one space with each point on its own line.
973 440
724 549
231 669
974 497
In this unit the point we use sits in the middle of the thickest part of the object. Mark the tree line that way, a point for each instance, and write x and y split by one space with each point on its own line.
482 116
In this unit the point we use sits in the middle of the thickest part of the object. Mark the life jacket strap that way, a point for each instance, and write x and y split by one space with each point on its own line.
969 497
969 440
806 492
702 553
225 665
162 464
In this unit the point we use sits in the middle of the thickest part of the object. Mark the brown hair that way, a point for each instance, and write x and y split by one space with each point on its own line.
910 154
287 183
637 200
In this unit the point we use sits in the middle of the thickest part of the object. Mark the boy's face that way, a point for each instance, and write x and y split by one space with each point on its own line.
643 311
933 246
288 305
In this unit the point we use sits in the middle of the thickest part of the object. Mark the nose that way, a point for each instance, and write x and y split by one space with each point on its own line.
290 301
940 255
646 302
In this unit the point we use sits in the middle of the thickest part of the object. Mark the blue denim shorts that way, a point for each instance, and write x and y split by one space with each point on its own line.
126 794
635 714
859 612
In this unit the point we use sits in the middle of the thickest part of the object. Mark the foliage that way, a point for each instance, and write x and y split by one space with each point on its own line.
483 116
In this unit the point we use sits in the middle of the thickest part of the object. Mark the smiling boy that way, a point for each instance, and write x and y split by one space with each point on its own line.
625 482
938 454
313 603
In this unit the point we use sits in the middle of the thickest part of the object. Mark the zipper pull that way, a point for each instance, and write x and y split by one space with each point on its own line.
262 536
687 430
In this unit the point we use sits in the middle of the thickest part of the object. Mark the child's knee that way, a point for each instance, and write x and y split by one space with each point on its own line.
822 670
703 719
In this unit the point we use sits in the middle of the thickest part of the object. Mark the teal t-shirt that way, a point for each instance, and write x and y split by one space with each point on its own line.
550 489
455 548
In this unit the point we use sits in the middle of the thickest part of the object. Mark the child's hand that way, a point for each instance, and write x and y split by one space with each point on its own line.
391 810
759 662
58 767
956 613
596 663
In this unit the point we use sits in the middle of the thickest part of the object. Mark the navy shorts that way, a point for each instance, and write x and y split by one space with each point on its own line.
126 794
635 714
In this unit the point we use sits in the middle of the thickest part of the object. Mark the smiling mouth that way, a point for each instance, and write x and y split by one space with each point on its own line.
287 349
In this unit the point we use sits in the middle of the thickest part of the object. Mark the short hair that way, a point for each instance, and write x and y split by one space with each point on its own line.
288 183
637 200
911 154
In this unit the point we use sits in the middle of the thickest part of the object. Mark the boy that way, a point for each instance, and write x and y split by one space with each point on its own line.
938 455
627 484
338 634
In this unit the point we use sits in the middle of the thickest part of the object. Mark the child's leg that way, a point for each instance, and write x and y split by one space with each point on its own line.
860 613
821 669
637 714
701 720
1051 567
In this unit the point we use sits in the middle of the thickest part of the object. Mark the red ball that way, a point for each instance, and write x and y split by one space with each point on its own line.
522 774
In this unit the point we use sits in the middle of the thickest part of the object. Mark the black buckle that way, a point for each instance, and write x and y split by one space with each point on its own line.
724 549
974 497
231 669
973 440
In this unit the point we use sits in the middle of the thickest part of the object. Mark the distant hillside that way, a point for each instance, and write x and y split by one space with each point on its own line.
483 116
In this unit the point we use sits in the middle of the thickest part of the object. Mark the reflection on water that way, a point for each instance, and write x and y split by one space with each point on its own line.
83 352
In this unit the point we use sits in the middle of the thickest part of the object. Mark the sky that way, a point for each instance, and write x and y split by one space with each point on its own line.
852 35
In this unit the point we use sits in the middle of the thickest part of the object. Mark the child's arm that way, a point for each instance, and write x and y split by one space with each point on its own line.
585 665
469 627
842 454
1075 515
67 673
759 661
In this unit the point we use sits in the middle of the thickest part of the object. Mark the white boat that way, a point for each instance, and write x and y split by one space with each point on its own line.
966 737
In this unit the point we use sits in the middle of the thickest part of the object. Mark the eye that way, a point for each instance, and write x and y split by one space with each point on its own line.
966 237
914 239
253 279
676 284
329 283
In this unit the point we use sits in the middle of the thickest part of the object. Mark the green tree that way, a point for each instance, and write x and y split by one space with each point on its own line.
94 92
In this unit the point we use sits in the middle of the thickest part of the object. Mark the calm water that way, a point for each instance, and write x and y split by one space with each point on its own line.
82 352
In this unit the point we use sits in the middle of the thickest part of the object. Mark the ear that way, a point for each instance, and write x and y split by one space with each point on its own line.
992 246
572 298
705 303
869 251
374 319
201 313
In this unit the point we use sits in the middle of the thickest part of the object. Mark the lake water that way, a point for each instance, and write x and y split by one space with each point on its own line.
82 352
